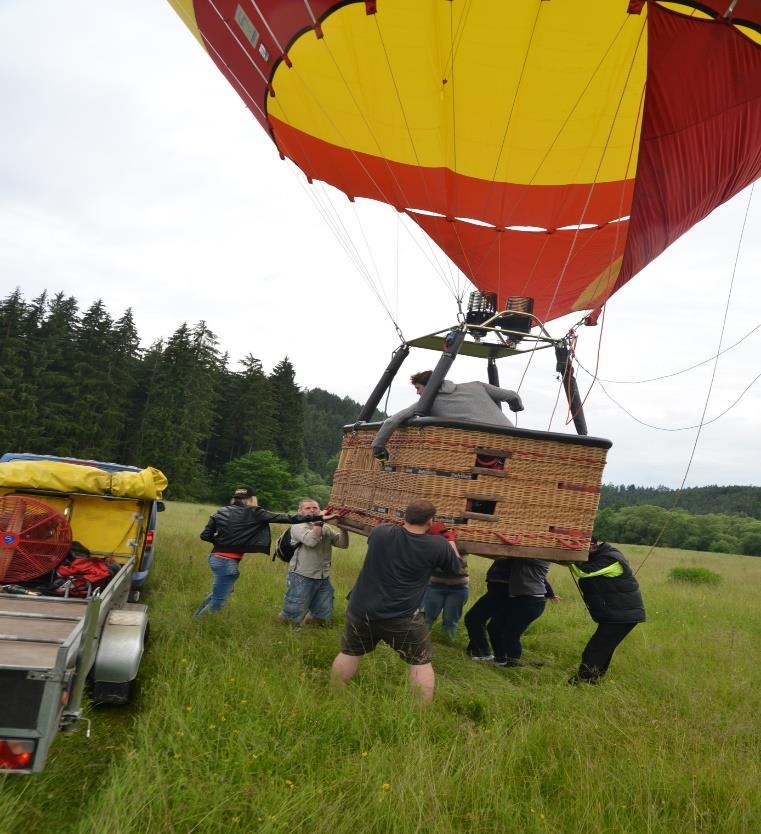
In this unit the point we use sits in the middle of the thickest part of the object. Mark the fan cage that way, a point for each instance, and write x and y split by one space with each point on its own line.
34 538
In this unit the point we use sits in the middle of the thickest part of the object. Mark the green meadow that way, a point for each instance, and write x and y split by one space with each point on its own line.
235 727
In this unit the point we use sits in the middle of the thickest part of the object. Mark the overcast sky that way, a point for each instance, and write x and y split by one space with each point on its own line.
131 171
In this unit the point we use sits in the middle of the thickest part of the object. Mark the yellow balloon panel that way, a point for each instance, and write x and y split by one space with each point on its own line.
524 92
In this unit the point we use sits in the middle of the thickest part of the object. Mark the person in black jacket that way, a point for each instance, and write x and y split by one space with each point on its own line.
241 527
507 609
613 599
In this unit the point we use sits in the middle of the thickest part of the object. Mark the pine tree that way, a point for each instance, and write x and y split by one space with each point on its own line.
17 403
179 408
146 379
56 428
91 377
121 413
289 415
248 395
258 430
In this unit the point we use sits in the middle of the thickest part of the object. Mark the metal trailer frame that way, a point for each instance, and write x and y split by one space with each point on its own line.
41 695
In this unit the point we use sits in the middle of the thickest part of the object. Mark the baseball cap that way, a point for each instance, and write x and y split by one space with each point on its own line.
244 492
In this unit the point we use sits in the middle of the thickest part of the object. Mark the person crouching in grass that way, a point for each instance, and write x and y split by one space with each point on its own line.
384 603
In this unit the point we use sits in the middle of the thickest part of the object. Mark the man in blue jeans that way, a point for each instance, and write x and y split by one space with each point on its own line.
309 597
446 593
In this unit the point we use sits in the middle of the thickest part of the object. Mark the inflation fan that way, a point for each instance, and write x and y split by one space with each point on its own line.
34 538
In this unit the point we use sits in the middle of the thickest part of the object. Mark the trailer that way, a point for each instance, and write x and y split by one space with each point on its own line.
53 642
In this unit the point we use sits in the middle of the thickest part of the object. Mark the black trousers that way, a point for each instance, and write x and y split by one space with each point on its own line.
496 622
480 614
598 652
509 623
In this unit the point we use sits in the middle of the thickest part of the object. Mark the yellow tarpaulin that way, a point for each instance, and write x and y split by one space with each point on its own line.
147 484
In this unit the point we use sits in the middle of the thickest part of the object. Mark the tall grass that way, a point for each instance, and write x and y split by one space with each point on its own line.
236 728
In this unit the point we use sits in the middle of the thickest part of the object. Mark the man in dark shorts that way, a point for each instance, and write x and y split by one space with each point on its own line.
386 597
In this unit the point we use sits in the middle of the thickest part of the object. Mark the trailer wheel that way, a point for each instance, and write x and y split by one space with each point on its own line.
119 694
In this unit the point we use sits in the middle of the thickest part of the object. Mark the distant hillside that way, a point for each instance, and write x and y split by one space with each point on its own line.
325 415
726 500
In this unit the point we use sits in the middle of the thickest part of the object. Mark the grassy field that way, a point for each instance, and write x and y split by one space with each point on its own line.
236 728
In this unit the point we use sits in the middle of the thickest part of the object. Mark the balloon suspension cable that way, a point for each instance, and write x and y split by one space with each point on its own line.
678 494
564 352
557 401
673 373
572 336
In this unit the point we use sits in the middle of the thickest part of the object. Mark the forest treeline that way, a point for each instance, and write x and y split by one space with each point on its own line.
720 519
77 383
647 524
728 500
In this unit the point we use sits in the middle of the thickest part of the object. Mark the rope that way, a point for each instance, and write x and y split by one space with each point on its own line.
338 228
381 288
554 408
570 417
457 38
678 428
679 372
678 493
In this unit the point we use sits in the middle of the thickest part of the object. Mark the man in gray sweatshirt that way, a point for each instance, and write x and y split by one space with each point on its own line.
468 402
309 594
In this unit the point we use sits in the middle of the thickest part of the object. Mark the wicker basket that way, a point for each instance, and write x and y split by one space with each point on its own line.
508 492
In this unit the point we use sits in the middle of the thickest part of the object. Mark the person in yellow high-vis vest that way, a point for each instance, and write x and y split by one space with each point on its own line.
614 601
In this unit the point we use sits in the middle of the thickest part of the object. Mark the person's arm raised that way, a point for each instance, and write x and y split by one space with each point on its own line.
512 398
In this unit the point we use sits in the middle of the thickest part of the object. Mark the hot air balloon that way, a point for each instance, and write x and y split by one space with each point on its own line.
551 149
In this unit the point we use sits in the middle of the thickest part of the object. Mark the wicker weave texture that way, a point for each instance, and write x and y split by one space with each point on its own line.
544 495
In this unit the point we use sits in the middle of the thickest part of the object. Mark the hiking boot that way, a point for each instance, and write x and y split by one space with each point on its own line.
509 662
577 680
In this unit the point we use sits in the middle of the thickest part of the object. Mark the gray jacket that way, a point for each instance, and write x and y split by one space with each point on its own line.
527 578
469 402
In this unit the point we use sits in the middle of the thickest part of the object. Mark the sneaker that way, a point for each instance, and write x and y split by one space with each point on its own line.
509 662
482 657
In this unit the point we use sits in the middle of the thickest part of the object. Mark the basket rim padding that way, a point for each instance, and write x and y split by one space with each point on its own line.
508 431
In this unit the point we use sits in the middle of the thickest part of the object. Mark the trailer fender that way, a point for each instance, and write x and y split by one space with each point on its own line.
121 644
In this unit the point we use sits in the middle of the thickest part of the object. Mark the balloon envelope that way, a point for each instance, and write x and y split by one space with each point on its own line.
552 148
